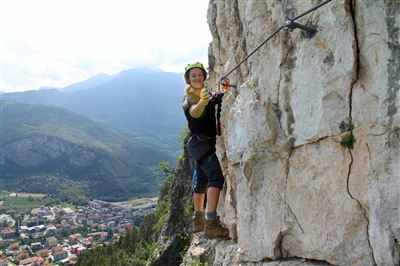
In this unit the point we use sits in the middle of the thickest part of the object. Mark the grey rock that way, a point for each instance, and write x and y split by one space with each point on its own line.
292 190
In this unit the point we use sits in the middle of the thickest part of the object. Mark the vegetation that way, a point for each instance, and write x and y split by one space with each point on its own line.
27 203
137 246
143 104
197 262
121 167
61 189
172 217
14 203
348 140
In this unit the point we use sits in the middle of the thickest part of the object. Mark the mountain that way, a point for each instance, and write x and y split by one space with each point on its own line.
48 88
94 81
45 148
143 104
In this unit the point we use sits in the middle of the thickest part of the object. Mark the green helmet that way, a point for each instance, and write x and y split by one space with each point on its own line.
194 65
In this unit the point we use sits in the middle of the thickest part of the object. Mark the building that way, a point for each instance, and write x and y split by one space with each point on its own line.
25 221
3 261
51 230
87 243
19 256
98 236
51 241
33 229
23 229
68 211
64 261
24 247
14 246
36 246
73 239
5 242
39 228
102 227
99 204
80 250
74 248
34 261
7 233
60 255
42 253
111 224
56 249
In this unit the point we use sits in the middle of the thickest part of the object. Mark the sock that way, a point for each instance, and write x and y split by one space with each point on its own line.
197 214
211 215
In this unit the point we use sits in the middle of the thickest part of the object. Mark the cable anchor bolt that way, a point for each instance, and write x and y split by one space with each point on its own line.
291 25
226 85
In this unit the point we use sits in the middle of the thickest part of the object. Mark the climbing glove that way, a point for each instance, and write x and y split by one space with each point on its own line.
205 96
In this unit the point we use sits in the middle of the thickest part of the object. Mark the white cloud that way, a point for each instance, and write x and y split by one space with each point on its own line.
56 43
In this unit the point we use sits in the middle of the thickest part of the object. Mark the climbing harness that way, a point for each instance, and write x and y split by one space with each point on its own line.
216 99
289 24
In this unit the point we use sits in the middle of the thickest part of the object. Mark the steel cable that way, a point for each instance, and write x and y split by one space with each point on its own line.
284 25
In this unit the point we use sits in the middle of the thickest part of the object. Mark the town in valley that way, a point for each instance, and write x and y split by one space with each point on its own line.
49 235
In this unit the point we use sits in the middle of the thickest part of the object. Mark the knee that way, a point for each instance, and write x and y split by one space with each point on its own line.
199 184
199 190
218 182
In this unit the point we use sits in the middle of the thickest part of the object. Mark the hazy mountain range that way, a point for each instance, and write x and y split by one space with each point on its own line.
104 136
141 103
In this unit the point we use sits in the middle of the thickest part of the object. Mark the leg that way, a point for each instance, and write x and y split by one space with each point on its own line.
212 199
213 227
199 188
198 200
210 167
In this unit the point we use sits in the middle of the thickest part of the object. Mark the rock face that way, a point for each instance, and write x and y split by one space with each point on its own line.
292 190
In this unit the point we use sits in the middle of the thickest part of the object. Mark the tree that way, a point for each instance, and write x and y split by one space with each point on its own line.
109 234
134 238
167 170
125 240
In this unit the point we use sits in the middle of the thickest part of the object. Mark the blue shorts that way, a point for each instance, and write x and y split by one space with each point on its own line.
207 173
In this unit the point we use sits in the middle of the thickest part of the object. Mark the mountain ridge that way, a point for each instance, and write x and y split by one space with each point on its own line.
143 104
50 141
92 81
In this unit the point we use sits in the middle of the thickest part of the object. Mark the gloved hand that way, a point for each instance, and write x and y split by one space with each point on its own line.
205 96
187 89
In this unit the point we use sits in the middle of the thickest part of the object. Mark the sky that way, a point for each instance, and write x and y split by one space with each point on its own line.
55 43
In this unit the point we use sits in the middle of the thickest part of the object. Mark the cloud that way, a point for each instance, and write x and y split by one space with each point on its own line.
56 43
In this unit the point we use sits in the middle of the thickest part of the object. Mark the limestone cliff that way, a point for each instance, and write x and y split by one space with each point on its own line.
293 192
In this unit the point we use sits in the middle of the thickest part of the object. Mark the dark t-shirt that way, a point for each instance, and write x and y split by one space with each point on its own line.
205 124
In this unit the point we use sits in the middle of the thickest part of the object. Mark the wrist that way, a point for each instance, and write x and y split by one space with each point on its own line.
203 102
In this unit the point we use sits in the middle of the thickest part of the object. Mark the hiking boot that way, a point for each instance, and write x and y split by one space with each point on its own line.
215 229
198 224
